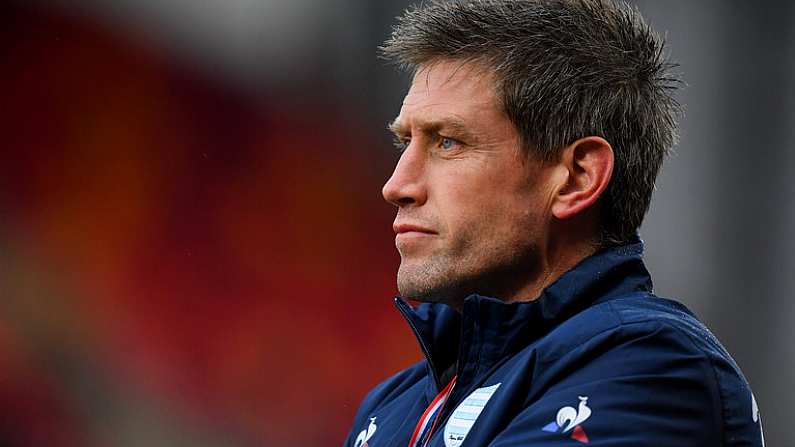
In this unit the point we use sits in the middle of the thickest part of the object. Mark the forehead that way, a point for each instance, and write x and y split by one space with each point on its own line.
450 89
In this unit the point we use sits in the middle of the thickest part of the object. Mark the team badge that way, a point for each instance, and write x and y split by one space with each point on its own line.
464 416
366 434
569 420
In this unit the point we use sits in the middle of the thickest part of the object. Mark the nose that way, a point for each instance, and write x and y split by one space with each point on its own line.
406 186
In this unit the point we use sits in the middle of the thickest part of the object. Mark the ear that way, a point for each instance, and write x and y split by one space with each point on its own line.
588 163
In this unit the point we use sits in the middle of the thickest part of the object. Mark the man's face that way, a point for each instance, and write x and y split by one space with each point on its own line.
473 210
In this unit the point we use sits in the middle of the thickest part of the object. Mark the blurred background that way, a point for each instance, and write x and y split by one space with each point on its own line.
193 246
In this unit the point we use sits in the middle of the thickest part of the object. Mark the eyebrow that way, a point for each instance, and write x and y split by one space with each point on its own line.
451 123
395 127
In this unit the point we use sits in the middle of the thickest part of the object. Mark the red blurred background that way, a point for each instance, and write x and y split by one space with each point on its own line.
183 260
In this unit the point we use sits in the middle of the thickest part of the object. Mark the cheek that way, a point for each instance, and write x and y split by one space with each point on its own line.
461 201
481 202
475 213
500 217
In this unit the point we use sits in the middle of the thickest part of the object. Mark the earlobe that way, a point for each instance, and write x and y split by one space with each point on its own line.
589 167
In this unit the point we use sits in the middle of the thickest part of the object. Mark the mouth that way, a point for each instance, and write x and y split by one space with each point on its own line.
404 229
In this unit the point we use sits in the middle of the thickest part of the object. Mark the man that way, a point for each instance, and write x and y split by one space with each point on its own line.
530 140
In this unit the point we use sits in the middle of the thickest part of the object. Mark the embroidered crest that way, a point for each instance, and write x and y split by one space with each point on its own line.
464 416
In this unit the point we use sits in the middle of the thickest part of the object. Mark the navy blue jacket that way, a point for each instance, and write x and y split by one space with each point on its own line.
597 359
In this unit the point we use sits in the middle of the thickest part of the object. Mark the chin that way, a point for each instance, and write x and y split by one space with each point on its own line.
429 285
417 284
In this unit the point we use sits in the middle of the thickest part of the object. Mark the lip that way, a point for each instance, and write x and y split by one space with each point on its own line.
406 229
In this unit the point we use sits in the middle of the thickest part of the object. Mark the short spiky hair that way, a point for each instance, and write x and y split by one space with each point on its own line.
565 69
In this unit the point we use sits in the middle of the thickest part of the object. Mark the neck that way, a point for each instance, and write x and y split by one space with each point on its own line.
558 260
567 243
525 281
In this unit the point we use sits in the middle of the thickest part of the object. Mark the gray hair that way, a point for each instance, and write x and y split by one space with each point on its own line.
565 69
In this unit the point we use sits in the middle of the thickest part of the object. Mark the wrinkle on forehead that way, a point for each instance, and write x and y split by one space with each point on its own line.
453 85
473 66
462 70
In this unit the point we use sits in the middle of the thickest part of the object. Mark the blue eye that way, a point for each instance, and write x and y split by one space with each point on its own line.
448 143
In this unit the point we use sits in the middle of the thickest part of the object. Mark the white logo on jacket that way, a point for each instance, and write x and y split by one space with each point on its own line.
569 418
755 415
366 434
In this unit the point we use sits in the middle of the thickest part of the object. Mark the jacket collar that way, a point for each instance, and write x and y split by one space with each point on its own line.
488 330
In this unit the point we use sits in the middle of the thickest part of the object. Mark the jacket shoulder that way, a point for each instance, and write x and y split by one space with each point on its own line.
738 410
644 336
394 386
637 315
